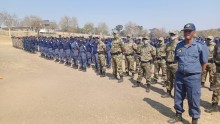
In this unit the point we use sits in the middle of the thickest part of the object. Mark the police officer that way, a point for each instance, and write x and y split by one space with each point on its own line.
130 48
160 57
95 54
210 68
116 54
137 54
192 57
171 63
101 57
216 80
147 55
82 54
108 52
75 53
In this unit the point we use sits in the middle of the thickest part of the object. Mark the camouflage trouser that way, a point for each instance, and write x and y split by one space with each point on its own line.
145 71
101 59
216 92
138 62
171 75
160 64
210 68
117 64
129 63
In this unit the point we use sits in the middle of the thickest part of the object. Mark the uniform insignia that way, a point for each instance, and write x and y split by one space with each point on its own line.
188 25
179 50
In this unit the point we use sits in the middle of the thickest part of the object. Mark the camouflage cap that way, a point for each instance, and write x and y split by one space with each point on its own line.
115 32
175 32
161 39
210 37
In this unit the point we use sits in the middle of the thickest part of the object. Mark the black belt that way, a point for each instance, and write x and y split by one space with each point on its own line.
118 53
169 63
128 54
160 58
138 53
211 61
147 61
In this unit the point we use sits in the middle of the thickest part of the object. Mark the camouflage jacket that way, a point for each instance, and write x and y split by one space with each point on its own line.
147 53
170 51
130 48
117 44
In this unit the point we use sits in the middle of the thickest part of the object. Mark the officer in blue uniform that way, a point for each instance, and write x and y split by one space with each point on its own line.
82 53
61 51
75 53
108 52
66 48
192 57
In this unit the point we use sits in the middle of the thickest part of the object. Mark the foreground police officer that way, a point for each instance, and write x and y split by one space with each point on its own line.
192 58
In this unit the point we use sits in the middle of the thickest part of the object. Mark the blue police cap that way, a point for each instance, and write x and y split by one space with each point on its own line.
189 26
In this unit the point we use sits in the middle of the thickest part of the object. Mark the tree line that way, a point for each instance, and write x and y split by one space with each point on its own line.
70 25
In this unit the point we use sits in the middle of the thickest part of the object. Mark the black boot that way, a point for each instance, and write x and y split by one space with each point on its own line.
84 69
194 120
76 66
214 108
203 84
103 74
137 84
121 79
148 88
127 73
177 118
167 95
132 76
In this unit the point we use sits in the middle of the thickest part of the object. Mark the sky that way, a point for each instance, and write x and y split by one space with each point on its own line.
168 14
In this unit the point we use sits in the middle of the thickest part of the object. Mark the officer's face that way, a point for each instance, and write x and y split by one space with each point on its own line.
189 34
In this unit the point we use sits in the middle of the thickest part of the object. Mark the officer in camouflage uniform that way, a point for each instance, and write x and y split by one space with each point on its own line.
210 68
101 57
130 48
216 81
171 64
147 54
116 54
137 55
160 62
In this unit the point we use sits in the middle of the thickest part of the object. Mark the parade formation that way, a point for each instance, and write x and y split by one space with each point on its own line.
179 62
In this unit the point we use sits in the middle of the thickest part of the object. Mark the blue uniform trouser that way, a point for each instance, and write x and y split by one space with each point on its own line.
188 84
50 52
68 56
96 61
89 57
46 51
61 55
56 54
83 60
108 58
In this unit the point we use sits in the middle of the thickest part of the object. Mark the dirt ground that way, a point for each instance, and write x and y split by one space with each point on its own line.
39 91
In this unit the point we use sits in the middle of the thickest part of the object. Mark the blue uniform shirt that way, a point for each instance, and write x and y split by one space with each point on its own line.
190 59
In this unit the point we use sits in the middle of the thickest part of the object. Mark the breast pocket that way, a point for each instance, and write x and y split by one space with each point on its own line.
193 57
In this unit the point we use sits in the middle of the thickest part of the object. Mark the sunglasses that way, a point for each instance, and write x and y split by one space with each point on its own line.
188 31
